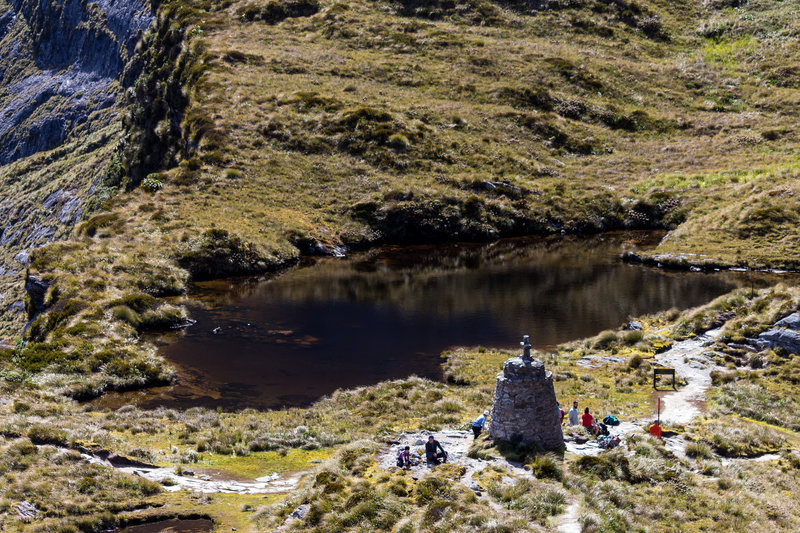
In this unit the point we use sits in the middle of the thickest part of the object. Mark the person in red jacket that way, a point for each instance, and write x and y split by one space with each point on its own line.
587 420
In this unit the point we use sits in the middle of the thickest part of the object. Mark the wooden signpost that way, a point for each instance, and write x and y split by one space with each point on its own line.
663 372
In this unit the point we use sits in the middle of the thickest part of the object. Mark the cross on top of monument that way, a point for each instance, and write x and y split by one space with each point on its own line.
526 347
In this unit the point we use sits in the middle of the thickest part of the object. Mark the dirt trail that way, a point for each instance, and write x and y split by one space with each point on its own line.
686 357
173 482
568 522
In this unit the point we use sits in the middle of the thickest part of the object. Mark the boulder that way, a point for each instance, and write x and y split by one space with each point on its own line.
788 339
792 322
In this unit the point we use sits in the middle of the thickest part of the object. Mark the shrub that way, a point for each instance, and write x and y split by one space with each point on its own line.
137 301
432 488
127 315
165 317
273 12
152 183
105 220
602 467
399 142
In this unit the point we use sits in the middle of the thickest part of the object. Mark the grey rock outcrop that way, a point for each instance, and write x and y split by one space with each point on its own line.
785 334
792 322
525 407
58 64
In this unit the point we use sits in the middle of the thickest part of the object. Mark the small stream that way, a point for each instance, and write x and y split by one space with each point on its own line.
390 312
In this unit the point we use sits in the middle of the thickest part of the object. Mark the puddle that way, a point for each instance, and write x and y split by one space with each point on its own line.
172 526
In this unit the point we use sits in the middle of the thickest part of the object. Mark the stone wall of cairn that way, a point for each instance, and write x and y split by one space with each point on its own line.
525 408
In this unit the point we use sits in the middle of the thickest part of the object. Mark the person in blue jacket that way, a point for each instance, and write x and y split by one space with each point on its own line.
477 426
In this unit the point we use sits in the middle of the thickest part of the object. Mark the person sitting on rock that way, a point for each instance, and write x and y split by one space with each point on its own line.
587 420
655 429
404 457
477 426
431 454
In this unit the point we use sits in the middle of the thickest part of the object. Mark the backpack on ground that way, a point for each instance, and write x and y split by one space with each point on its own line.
611 420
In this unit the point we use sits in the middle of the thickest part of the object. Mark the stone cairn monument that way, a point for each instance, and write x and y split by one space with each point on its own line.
525 408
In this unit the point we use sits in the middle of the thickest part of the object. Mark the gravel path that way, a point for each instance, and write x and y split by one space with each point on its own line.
686 357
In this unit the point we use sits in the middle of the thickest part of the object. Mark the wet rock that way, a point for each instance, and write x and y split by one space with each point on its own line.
183 323
745 347
78 50
9 236
52 199
40 235
476 487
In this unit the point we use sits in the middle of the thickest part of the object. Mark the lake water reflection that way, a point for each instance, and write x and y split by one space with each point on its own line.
390 312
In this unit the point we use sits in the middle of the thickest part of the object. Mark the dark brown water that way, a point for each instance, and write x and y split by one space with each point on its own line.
389 313
172 526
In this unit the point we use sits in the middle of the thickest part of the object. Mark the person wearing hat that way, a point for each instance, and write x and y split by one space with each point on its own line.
404 457
477 426
431 454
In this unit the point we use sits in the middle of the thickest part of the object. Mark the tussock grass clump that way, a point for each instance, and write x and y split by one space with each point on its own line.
699 450
547 467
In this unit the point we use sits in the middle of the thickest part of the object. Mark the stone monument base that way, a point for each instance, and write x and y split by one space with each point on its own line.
525 408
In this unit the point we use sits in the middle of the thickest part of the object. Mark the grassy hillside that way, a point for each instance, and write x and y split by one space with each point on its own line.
311 126
300 127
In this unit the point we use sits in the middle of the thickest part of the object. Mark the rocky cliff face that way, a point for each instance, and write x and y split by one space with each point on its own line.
58 65
63 67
